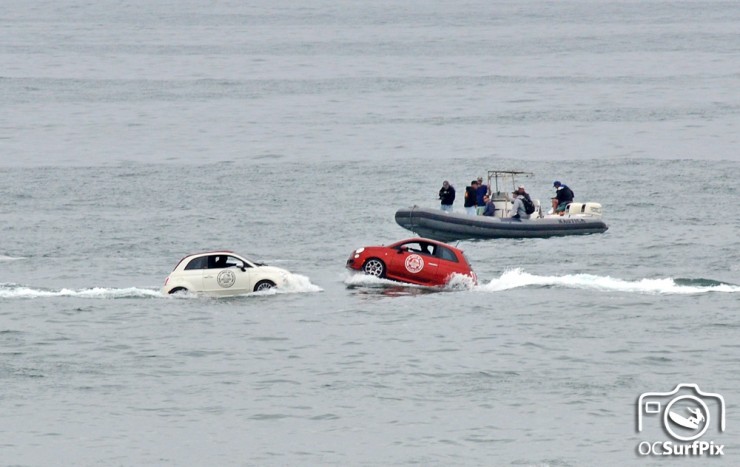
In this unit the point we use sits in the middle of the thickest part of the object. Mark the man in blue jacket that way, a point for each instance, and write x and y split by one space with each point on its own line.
481 191
563 196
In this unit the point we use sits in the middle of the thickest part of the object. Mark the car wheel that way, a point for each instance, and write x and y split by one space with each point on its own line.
264 285
178 290
374 267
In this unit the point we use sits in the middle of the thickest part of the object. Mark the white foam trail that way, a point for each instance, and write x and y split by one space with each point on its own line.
10 258
517 278
17 291
297 283
456 282
364 280
460 282
294 283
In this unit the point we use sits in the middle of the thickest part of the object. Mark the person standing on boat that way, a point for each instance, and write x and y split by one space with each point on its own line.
447 196
518 211
563 196
471 198
479 194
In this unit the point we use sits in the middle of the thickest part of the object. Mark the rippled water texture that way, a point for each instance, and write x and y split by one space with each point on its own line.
133 134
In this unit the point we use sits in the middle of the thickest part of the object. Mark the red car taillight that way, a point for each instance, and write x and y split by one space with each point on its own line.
166 280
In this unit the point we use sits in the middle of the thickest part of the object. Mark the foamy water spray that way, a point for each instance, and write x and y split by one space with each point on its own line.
515 278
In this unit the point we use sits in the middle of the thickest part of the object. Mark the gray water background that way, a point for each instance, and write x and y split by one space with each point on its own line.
135 133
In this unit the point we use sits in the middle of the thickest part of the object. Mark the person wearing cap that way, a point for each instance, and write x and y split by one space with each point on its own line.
563 196
446 196
523 191
518 211
471 198
481 191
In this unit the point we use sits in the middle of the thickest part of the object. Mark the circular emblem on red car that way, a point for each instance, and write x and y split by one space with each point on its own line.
414 264
226 278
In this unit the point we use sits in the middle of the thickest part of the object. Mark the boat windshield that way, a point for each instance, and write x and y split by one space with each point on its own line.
505 181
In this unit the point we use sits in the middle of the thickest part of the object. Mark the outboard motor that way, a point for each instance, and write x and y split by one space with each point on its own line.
590 209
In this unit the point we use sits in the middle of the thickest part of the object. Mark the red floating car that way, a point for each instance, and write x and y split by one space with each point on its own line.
416 260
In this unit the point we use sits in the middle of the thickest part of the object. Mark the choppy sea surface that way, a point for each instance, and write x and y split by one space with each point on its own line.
135 133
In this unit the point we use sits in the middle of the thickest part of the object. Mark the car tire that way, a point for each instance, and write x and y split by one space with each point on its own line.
374 267
178 290
264 285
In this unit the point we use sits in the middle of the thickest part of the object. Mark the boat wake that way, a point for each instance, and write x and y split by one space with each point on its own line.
456 282
10 258
364 280
516 278
295 283
21 291
460 282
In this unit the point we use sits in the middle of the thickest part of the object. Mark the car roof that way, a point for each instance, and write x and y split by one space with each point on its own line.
215 252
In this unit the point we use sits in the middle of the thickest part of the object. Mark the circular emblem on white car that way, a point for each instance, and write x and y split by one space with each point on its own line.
414 264
226 278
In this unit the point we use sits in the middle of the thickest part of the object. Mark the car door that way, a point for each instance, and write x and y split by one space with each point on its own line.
414 262
245 274
225 276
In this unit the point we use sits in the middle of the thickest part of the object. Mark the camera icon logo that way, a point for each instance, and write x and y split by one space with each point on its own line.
684 411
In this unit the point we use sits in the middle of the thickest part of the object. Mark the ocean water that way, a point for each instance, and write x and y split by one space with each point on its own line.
135 133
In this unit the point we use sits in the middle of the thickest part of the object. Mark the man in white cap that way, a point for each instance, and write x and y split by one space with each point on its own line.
518 210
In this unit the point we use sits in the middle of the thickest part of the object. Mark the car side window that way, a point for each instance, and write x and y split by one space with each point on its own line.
446 254
197 263
216 261
427 249
421 248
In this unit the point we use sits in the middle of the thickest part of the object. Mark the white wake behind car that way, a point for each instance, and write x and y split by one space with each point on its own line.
222 273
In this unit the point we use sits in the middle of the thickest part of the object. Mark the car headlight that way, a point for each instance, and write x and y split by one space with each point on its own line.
359 250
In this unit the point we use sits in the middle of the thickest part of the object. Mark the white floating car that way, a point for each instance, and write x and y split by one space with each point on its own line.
222 273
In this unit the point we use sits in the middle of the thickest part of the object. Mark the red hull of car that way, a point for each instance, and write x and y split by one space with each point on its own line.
418 261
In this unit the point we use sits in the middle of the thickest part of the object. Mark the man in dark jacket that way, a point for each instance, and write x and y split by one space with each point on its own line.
563 196
447 196
471 198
